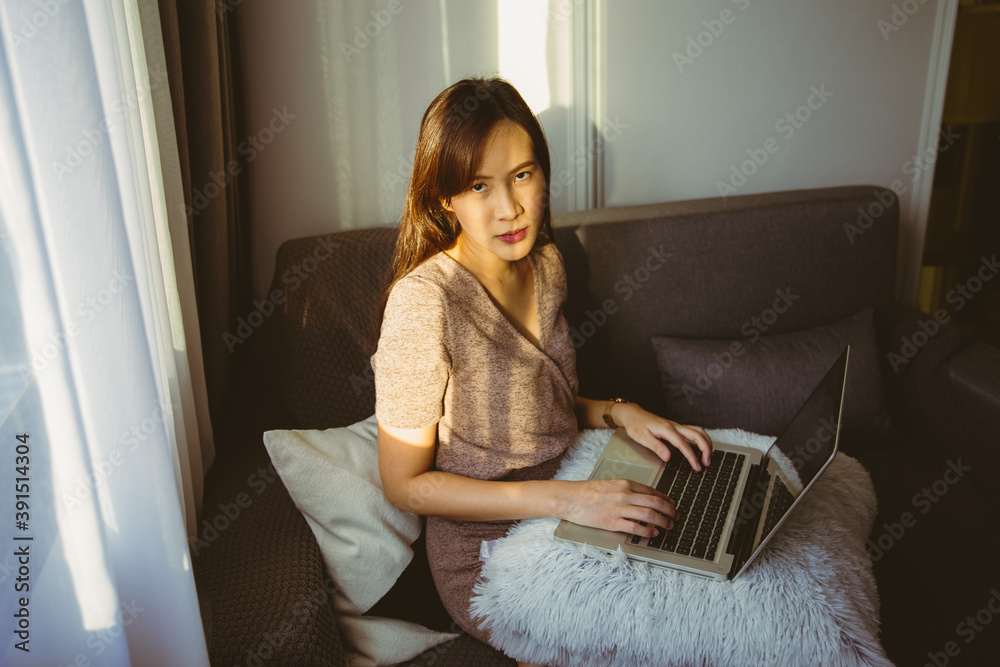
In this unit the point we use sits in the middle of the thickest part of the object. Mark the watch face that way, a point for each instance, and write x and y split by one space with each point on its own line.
608 419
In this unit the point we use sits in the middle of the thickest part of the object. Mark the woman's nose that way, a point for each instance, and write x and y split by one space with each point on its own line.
508 206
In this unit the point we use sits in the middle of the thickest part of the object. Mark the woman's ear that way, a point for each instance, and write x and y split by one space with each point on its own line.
446 205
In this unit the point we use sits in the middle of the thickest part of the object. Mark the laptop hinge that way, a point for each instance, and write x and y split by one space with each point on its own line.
747 519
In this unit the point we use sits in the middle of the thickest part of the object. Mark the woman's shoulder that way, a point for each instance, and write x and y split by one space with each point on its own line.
548 256
431 283
549 261
422 282
416 304
548 251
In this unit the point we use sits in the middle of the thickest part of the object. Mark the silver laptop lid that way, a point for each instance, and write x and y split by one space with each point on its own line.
809 443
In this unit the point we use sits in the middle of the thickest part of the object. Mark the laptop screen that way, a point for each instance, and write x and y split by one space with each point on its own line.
802 452
808 442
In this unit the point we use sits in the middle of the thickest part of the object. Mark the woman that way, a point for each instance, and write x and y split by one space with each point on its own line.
475 374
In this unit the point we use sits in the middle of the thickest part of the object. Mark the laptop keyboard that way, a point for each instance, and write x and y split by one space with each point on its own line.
781 500
701 498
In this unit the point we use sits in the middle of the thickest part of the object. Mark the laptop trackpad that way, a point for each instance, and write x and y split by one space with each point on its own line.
611 469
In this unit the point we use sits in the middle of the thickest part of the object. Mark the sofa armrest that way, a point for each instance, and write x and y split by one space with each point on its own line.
262 585
944 386
974 376
975 373
913 347
264 592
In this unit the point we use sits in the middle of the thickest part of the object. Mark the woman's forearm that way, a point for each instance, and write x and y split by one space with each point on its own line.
611 504
649 430
590 413
445 494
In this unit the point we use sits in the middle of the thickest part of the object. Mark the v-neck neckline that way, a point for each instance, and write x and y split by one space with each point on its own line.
499 313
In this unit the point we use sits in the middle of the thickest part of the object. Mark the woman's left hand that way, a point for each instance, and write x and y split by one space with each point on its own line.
651 431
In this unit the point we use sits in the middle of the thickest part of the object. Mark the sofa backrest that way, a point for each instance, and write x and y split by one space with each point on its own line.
700 268
316 345
822 254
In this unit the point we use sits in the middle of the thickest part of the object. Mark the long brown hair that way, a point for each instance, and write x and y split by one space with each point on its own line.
450 147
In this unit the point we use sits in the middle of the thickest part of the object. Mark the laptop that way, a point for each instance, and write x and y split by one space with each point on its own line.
730 510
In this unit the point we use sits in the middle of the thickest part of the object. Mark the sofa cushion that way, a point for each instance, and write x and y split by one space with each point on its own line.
808 599
707 268
333 478
758 383
326 289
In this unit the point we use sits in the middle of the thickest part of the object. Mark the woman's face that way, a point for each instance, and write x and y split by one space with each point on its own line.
501 213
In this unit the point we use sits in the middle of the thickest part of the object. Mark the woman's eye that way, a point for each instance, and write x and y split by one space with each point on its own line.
522 176
478 187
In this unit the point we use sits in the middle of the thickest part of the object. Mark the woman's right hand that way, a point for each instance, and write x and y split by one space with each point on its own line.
618 504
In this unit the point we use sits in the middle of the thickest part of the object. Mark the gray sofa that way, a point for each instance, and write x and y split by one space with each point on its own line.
263 590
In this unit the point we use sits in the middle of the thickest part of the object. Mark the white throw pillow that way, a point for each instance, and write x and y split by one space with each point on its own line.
332 477
809 599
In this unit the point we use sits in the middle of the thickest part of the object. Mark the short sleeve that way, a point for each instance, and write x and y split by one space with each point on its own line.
411 362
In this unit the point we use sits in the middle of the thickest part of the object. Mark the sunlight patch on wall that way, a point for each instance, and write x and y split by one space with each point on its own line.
521 44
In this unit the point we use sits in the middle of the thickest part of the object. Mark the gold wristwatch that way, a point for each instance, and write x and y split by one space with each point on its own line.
608 419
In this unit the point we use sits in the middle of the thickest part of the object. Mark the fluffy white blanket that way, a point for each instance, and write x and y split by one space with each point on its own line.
809 599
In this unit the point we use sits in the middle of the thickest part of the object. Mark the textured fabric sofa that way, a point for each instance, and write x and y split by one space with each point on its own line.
261 582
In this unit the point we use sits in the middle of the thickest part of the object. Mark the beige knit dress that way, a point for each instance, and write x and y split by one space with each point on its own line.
503 407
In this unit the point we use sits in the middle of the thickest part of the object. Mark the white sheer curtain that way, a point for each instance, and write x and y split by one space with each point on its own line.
95 375
359 76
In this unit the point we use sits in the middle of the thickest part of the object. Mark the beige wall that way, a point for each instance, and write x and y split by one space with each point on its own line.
692 120
675 130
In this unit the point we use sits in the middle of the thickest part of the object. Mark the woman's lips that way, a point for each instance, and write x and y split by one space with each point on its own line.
513 237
